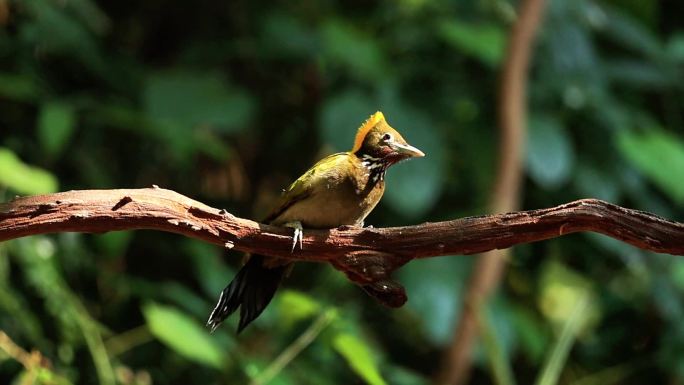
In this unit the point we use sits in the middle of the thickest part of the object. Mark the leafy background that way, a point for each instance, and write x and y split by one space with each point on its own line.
227 102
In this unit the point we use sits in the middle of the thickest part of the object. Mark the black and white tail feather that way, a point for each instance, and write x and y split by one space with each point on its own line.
251 290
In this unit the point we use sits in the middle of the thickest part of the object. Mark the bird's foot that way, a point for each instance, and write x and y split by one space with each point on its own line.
298 234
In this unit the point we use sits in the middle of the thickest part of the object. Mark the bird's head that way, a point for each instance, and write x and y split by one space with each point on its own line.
377 139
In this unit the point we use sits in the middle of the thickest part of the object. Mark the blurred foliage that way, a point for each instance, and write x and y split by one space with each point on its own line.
227 102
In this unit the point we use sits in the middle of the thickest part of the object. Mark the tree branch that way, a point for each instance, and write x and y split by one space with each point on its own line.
365 254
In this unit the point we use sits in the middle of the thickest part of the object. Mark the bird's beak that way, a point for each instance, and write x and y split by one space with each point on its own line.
407 150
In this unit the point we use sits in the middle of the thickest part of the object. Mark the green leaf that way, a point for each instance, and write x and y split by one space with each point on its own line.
295 306
497 357
23 178
18 87
188 99
659 155
484 42
182 296
56 122
440 296
638 74
359 357
90 15
286 35
530 332
114 243
341 115
210 269
183 335
56 30
357 51
593 182
561 289
550 155
675 47
627 31
398 375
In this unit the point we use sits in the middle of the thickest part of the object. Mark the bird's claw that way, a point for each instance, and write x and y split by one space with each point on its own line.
298 236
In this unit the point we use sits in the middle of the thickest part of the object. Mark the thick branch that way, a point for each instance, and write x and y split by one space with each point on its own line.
95 211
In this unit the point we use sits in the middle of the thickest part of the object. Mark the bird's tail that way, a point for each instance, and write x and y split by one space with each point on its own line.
252 289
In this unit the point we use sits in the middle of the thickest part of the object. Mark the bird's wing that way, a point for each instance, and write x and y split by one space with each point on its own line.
303 187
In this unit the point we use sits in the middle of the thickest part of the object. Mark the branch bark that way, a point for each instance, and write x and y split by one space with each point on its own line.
96 211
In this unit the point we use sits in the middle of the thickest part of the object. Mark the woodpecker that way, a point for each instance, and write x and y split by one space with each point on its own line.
341 189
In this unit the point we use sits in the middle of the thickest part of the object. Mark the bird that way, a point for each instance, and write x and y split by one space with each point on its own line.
340 189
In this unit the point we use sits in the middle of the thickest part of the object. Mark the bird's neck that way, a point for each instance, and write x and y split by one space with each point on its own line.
376 166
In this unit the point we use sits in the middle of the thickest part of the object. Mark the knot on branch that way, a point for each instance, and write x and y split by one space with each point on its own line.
372 271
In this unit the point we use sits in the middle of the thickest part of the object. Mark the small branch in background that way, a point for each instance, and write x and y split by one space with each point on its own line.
296 347
26 359
555 362
34 363
512 120
4 12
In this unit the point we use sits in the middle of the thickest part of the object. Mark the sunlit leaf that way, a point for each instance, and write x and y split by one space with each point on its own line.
295 306
56 122
659 155
23 178
183 335
561 289
359 357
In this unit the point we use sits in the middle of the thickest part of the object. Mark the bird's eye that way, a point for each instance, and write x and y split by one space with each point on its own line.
387 137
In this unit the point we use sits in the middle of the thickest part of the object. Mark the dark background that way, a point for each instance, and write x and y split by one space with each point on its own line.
228 102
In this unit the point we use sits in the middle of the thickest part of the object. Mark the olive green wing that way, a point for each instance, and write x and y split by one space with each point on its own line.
305 185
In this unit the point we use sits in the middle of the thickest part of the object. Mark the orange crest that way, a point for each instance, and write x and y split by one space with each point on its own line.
365 127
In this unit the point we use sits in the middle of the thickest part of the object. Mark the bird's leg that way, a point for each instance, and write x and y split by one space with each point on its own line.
298 233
